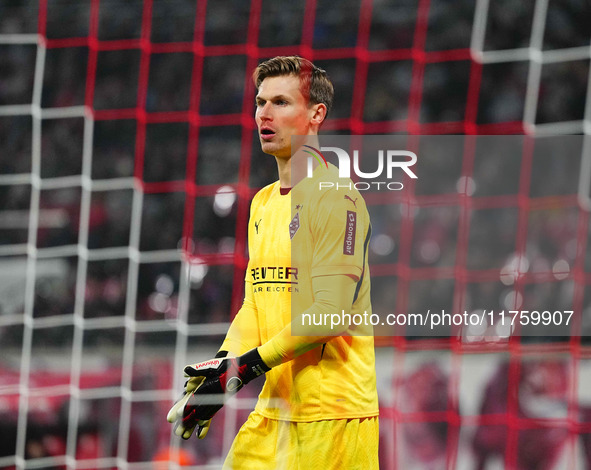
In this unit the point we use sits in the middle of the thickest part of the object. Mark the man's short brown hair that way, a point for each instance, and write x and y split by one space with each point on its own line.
315 84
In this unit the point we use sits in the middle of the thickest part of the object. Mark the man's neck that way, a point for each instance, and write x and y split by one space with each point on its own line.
284 170
290 176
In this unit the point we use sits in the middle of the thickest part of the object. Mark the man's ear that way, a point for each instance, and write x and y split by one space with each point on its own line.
318 113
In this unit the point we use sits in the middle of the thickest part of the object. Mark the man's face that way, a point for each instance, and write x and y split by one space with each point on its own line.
282 112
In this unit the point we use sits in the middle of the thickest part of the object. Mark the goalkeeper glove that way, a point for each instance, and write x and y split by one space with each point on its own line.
222 376
176 412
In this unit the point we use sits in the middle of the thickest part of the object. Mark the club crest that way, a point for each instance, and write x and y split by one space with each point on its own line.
294 225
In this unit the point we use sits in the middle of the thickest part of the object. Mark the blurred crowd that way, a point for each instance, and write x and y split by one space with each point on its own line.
512 255
491 241
517 413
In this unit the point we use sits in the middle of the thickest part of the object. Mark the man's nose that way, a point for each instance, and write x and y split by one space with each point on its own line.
265 112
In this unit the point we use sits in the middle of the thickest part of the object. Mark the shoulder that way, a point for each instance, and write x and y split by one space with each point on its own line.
264 194
334 193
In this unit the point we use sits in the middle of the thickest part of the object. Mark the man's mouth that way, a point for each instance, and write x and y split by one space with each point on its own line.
267 134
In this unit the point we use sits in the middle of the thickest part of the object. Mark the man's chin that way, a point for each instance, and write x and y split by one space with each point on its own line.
266 148
271 148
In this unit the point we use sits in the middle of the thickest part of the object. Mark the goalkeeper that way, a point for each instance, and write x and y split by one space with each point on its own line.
318 406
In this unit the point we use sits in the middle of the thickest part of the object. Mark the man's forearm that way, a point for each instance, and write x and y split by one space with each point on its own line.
333 294
243 334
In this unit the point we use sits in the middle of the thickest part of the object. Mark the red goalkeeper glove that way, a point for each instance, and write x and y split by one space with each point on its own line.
223 376
208 382
175 414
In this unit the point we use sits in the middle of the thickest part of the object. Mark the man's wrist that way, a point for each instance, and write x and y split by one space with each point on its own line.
255 365
269 354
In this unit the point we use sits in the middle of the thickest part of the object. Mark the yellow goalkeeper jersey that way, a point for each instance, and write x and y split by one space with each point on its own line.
292 238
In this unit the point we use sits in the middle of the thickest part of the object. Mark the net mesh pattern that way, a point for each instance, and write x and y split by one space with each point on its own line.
129 157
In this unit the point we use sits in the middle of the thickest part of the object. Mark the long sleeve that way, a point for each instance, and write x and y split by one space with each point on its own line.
243 334
333 296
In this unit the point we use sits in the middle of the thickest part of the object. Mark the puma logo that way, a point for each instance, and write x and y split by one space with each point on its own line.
353 201
256 225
